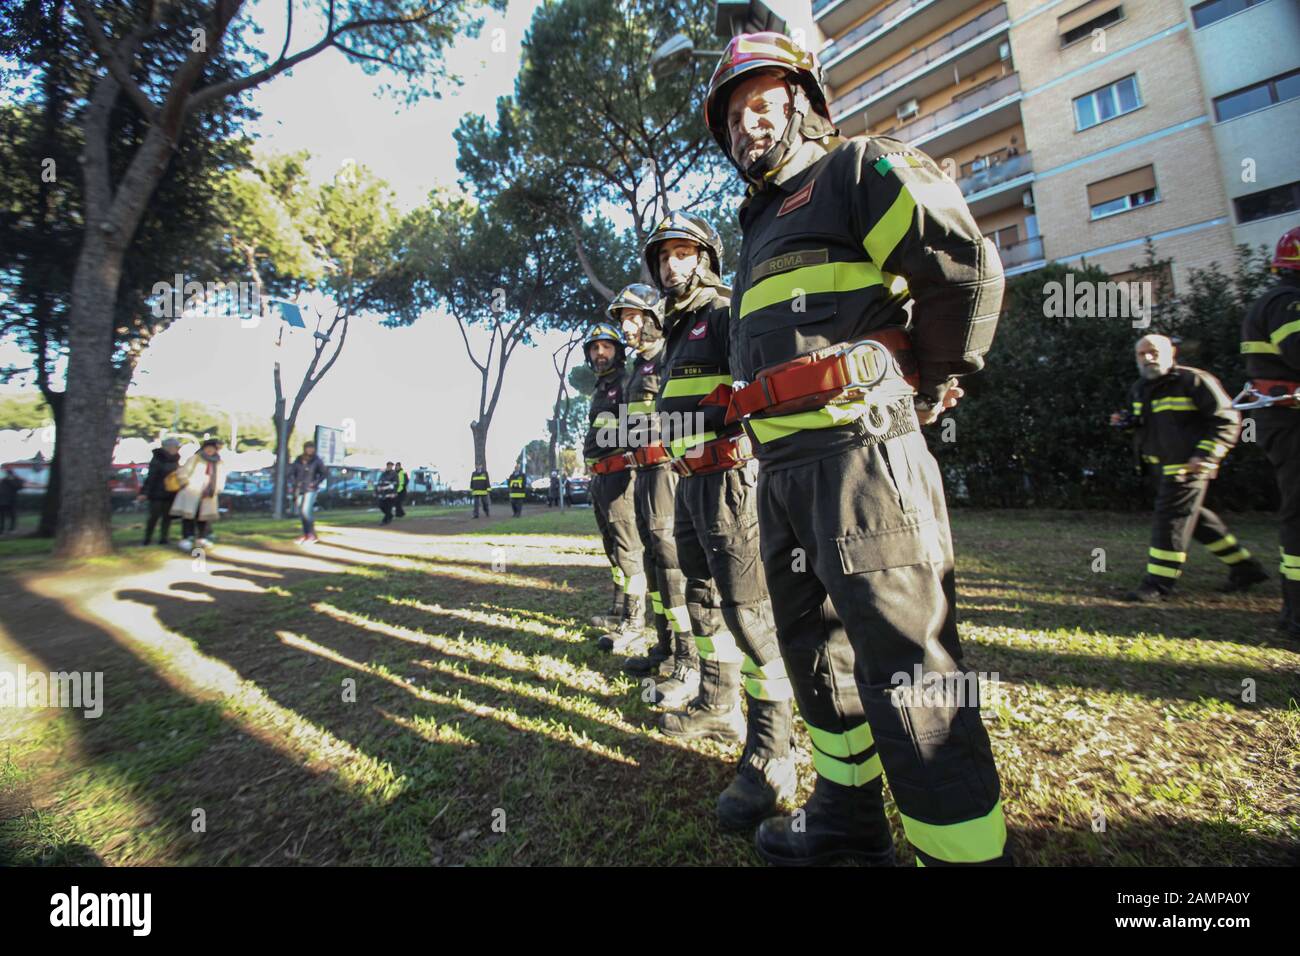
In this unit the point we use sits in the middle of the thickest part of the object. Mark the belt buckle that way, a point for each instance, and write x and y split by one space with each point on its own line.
848 354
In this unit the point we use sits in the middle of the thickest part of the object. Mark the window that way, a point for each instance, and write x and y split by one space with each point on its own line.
1079 23
1251 98
1203 14
1122 193
1268 202
1005 237
1106 103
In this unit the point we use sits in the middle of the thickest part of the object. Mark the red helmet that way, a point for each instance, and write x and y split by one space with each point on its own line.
758 51
1287 254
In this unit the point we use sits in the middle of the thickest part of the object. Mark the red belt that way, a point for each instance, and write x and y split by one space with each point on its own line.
651 455
1276 386
814 380
612 464
717 455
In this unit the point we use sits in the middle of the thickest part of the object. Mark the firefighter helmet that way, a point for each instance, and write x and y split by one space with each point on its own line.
680 225
749 52
638 295
1287 254
605 333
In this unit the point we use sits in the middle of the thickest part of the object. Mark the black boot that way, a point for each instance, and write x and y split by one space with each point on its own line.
662 650
683 680
1148 592
766 775
713 715
631 630
615 615
837 822
1243 575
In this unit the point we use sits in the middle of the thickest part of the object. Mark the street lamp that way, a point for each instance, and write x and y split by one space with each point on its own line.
730 17
673 55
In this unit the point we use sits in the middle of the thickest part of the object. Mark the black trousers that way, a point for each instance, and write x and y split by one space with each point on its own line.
159 510
716 529
1279 436
859 565
613 501
656 494
401 501
517 506
1180 516
192 528
9 514
487 510
386 506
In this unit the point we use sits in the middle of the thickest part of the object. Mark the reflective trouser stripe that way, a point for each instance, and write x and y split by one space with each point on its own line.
620 577
1179 556
768 682
1290 567
847 758
1223 544
1162 571
720 647
1228 551
635 583
679 619
656 602
1170 557
971 841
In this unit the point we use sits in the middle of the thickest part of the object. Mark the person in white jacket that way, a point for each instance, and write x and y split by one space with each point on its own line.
201 480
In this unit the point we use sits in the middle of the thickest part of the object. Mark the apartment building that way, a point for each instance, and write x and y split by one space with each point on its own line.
1078 129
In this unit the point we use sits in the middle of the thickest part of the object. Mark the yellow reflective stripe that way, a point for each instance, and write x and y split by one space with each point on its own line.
1223 544
678 447
1161 571
890 228
1259 348
481 491
1235 557
620 577
768 682
641 408
1282 331
1137 408
1291 574
1213 448
605 420
828 416
1290 560
719 647
827 277
678 619
971 841
1176 469
1151 459
855 740
656 602
1173 405
694 385
847 774
1168 555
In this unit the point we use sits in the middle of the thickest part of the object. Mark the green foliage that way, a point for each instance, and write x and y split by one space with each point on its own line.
1033 428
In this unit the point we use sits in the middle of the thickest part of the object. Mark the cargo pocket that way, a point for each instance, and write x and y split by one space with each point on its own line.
898 547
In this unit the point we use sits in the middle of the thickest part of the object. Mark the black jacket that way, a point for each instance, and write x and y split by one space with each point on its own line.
697 363
10 485
1182 414
1270 333
386 487
306 476
162 464
642 388
859 230
603 438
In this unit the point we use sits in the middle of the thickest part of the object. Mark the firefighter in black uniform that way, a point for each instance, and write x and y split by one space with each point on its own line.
612 478
838 236
517 484
717 529
639 309
1270 340
1186 427
480 487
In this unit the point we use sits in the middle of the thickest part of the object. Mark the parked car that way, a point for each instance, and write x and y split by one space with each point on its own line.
125 482
576 490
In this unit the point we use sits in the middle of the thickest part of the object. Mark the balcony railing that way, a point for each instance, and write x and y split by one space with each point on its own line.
991 176
1017 255
820 5
939 48
866 28
980 98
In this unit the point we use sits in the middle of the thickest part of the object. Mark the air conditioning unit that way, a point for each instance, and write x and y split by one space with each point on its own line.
908 110
1027 199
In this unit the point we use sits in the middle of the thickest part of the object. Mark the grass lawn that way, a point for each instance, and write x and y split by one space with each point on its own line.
429 693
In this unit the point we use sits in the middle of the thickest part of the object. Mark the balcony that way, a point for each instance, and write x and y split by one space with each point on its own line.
1023 256
832 16
978 113
995 174
988 23
894 28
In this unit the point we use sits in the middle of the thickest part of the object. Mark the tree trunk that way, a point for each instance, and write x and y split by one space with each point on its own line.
50 502
86 437
480 432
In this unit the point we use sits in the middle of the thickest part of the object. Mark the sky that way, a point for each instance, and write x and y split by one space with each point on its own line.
409 392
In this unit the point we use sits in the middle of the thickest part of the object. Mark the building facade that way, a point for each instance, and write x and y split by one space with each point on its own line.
1079 129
